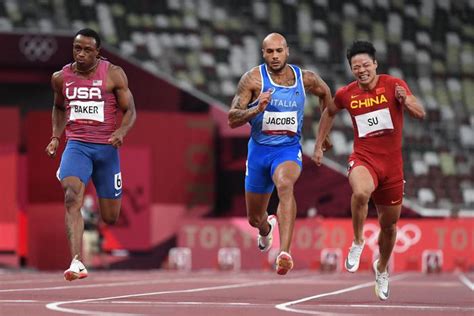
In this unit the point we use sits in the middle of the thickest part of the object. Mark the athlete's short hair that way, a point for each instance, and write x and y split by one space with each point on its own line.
90 33
360 47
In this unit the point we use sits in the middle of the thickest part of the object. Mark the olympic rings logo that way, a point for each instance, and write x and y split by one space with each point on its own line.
407 236
38 48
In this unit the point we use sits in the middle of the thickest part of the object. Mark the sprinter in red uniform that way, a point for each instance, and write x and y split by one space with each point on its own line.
376 104
87 95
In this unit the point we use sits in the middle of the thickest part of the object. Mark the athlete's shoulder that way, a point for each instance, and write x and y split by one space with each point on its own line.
254 71
344 90
252 78
112 67
307 74
384 78
57 78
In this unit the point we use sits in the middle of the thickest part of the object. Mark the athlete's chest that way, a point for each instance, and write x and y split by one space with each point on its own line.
287 80
361 101
374 112
81 89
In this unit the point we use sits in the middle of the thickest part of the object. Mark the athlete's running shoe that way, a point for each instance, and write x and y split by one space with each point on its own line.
265 242
76 271
284 263
353 257
381 283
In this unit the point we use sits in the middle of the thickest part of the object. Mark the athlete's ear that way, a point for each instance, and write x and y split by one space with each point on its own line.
376 64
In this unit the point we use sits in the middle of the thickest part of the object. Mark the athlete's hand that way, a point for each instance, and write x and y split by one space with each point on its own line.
52 148
400 93
327 144
317 156
264 99
116 139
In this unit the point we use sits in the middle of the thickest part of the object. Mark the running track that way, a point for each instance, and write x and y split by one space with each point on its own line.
226 293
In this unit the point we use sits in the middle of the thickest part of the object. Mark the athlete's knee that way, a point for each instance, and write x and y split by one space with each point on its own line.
389 229
110 218
256 221
284 187
71 197
361 197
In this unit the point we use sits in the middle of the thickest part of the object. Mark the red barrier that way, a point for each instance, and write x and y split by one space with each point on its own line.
47 243
43 186
9 185
182 156
455 237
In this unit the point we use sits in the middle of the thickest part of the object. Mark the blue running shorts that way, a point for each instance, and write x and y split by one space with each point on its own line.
99 161
262 161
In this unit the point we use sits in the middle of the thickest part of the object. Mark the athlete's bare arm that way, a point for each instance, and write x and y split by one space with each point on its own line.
325 124
58 113
249 85
410 102
125 102
315 85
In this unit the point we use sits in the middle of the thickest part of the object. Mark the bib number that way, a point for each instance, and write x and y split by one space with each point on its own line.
278 123
374 123
87 110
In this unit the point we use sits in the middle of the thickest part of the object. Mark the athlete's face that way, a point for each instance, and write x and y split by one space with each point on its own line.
84 51
275 53
364 69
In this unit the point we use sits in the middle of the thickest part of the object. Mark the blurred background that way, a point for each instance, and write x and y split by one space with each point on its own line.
183 168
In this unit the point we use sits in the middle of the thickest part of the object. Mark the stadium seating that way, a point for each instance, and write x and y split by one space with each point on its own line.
209 44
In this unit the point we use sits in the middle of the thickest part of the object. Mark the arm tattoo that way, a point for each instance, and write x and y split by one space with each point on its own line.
239 114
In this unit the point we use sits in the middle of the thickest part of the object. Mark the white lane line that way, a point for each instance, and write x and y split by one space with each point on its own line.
56 306
185 303
19 301
285 306
466 282
415 307
75 286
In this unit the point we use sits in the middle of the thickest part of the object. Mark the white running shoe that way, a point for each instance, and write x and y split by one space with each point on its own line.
76 271
381 283
284 263
353 257
265 242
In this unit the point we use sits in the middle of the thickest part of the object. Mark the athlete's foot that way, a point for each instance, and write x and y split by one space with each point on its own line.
353 257
265 242
284 263
381 283
76 271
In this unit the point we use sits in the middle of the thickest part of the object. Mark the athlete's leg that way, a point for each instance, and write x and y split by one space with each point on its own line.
73 198
257 204
285 177
362 185
388 216
107 179
110 210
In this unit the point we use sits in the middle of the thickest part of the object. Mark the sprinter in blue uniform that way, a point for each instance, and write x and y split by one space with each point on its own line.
271 98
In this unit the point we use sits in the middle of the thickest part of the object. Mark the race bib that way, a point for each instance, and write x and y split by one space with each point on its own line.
374 123
276 123
87 110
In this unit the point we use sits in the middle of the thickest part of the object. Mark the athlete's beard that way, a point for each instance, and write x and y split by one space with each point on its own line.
277 70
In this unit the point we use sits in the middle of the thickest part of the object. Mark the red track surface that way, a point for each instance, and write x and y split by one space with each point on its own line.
226 293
